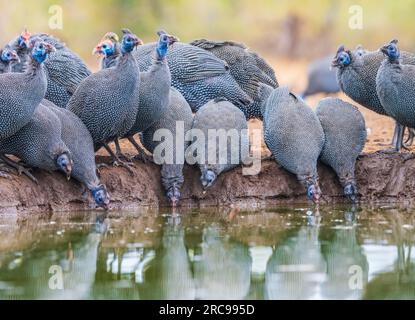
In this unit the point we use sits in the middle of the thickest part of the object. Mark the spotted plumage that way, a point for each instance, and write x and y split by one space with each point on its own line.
39 144
246 67
79 141
221 119
106 101
21 93
178 116
345 137
64 68
295 137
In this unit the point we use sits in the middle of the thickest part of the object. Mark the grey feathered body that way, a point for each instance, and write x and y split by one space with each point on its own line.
345 136
154 96
222 115
64 69
20 94
358 80
79 141
177 111
321 78
197 74
39 142
246 67
293 134
106 101
395 85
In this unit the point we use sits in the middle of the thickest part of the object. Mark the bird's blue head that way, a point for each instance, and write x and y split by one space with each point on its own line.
313 193
9 56
41 50
129 41
65 163
101 196
342 59
174 195
165 40
350 191
105 48
207 178
391 50
23 40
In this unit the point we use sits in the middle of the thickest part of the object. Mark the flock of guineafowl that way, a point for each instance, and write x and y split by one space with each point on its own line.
55 113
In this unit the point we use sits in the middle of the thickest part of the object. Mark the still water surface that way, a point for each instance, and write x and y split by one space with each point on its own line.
281 253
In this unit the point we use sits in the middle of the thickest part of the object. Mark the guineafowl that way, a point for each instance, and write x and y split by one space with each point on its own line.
222 141
154 84
198 74
79 141
178 115
345 137
64 69
321 78
395 86
21 93
107 101
295 137
246 67
39 144
8 58
356 76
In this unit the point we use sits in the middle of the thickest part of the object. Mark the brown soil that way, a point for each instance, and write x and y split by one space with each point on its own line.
381 179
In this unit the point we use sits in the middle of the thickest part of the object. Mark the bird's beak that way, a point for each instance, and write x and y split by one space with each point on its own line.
15 57
97 49
173 39
384 50
335 63
139 42
68 170
49 47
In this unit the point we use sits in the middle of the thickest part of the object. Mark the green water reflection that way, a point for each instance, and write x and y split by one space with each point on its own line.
281 253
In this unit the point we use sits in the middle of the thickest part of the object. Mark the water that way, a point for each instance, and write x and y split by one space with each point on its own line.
281 253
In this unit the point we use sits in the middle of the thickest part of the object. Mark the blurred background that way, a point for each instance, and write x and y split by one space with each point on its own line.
289 34
300 29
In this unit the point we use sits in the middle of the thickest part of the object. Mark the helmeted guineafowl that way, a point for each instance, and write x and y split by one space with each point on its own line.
246 67
225 141
64 69
178 115
356 76
39 144
395 85
21 93
322 78
155 83
107 101
8 58
79 141
198 74
295 137
345 137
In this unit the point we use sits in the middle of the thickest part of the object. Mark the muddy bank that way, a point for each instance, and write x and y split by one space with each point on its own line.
381 179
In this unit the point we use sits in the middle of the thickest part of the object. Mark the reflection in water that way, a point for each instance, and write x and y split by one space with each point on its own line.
284 253
223 269
297 267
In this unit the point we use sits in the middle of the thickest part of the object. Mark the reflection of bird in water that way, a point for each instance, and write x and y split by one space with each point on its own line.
296 268
347 265
400 282
169 275
223 269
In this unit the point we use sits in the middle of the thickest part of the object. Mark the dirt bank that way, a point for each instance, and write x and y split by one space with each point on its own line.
381 178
